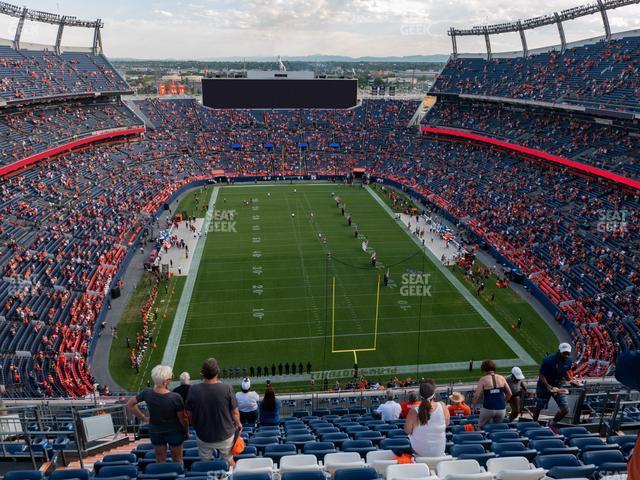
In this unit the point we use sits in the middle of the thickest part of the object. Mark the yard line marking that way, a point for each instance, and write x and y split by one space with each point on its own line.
171 348
280 339
484 313
279 324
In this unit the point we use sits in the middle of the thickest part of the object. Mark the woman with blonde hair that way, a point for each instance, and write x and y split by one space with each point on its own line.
426 423
168 424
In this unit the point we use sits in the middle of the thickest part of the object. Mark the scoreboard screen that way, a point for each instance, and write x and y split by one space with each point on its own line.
279 93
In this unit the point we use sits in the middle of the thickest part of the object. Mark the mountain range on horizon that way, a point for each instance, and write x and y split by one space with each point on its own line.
437 58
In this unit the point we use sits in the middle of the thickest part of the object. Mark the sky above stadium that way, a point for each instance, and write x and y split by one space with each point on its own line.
200 29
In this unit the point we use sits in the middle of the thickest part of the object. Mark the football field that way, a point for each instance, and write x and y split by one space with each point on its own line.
283 278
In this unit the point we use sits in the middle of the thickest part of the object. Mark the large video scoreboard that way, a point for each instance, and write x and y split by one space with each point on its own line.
279 90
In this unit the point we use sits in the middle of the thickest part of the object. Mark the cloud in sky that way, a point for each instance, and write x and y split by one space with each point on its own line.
219 28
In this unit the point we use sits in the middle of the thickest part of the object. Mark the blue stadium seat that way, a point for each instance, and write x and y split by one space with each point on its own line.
573 432
249 451
375 437
494 427
307 475
70 474
359 446
472 437
119 471
551 446
278 450
534 433
299 440
606 460
625 442
206 467
385 428
261 442
24 475
524 425
356 428
564 466
336 438
251 476
115 459
586 444
162 471
319 449
472 451
506 436
366 473
513 449
398 445
396 433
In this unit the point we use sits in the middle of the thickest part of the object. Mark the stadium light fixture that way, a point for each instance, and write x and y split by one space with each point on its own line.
519 26
24 14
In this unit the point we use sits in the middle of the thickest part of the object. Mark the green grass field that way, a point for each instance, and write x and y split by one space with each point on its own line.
131 322
269 292
282 289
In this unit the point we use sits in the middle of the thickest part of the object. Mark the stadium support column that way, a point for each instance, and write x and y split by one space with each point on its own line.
605 19
488 42
454 45
97 38
563 39
59 35
16 40
523 39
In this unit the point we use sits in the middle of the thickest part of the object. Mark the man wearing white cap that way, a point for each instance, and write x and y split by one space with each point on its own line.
518 390
554 372
247 403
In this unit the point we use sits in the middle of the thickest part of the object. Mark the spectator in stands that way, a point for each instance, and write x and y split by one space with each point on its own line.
426 424
183 388
247 403
411 402
213 411
167 419
458 407
495 393
269 407
3 391
389 410
518 392
554 374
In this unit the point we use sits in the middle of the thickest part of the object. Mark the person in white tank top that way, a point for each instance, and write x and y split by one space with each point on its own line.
428 439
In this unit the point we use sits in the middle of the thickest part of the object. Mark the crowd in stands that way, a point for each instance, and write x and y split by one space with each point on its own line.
602 75
29 74
609 147
25 131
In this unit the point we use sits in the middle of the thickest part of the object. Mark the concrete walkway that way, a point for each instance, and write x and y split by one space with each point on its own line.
133 274
171 349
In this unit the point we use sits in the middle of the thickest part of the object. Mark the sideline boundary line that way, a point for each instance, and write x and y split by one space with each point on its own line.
173 342
477 306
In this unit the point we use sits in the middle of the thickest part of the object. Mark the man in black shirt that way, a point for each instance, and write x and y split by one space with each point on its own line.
213 411
185 384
